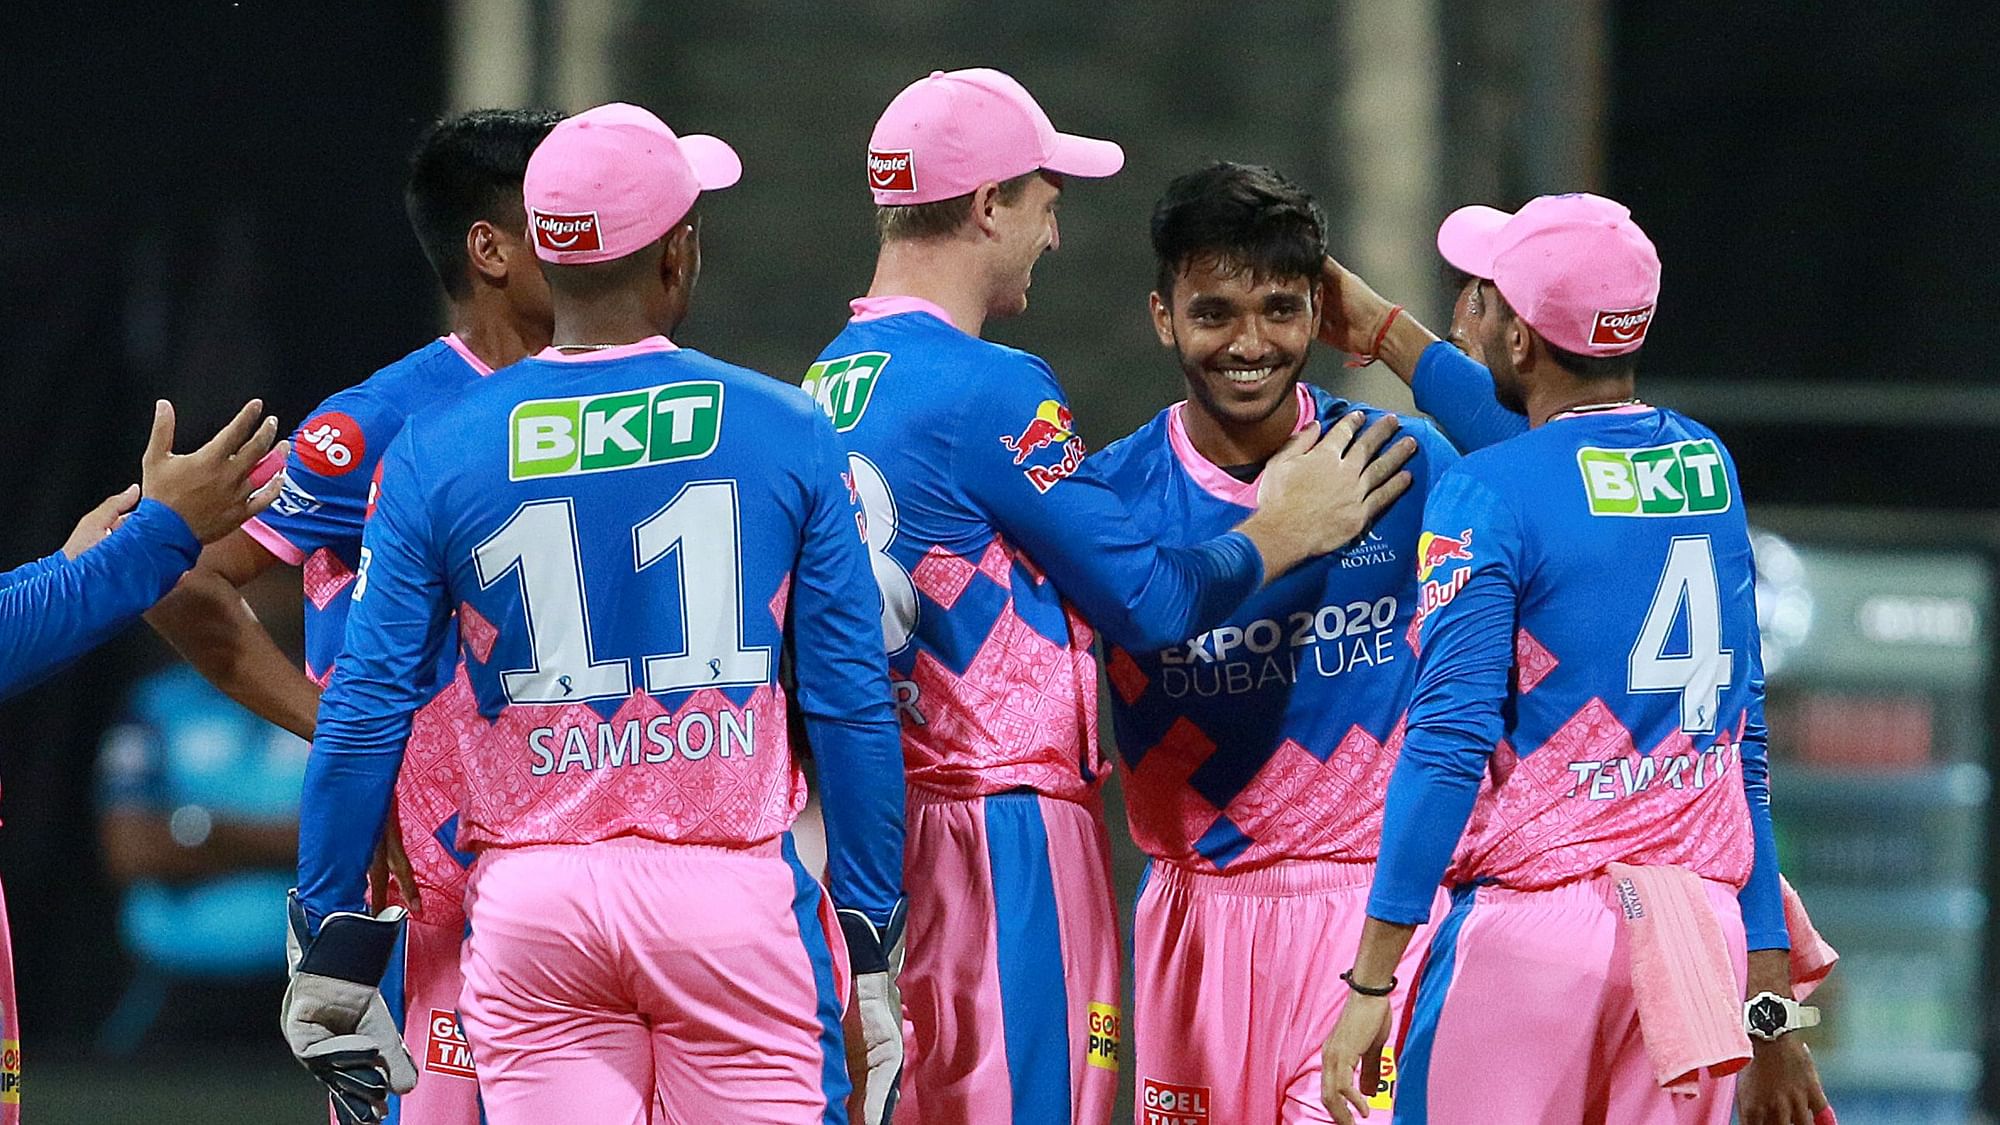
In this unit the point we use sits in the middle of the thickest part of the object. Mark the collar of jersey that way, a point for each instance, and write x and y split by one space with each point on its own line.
451 340
875 308
622 351
1212 478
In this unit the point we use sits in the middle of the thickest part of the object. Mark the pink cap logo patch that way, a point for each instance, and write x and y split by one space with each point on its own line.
563 233
1615 328
891 170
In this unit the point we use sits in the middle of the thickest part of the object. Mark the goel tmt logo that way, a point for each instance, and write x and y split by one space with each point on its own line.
560 437
1685 478
843 386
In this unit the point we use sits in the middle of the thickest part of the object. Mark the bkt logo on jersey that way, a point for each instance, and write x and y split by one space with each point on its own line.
555 437
567 233
1685 478
843 386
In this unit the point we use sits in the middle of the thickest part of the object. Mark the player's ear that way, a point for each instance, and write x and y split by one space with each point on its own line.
680 265
986 208
486 251
1163 318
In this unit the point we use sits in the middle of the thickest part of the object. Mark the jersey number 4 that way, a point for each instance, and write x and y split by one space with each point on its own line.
1688 588
701 523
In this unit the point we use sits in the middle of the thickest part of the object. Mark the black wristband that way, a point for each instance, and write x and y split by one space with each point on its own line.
1364 990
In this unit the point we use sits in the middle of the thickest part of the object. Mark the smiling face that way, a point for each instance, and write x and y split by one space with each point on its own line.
1242 339
1024 228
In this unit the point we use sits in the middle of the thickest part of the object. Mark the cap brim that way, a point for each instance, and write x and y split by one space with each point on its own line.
1084 156
716 165
1469 236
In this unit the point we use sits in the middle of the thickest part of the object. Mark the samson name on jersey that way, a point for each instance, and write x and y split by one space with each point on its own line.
628 538
1270 736
1590 688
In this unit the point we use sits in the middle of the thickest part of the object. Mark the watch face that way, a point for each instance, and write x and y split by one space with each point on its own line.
1767 1015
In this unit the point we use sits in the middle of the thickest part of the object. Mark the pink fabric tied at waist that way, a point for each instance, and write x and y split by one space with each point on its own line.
1690 1005
1812 957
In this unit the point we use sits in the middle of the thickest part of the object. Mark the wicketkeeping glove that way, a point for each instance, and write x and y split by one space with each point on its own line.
334 1017
875 955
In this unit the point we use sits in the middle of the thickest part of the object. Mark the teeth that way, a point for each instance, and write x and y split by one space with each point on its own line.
1254 375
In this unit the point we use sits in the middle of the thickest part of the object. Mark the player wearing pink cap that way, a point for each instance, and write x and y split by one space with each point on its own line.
1000 553
631 534
1585 760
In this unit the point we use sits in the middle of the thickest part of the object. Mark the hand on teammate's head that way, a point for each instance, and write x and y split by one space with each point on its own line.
212 488
1350 311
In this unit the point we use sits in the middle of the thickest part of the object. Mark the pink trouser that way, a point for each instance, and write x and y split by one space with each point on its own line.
422 990
10 1029
1525 1013
630 982
1236 985
1011 982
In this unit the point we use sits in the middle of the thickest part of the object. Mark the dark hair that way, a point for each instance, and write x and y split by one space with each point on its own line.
464 169
914 222
1241 213
1582 366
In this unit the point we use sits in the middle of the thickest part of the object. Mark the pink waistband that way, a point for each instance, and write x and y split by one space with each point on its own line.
632 843
1275 880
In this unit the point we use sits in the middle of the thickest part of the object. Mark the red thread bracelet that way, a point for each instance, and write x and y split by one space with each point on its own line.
1375 350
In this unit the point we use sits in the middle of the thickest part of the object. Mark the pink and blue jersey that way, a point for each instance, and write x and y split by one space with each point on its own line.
628 539
1590 686
1270 736
998 551
316 524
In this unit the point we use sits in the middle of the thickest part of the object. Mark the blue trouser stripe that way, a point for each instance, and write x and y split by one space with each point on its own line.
1413 1062
393 996
833 1081
1034 990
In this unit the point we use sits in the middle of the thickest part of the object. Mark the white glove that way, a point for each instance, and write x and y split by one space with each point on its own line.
875 955
334 1017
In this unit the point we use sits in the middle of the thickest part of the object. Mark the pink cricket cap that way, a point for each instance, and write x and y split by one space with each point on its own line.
613 179
1575 267
945 135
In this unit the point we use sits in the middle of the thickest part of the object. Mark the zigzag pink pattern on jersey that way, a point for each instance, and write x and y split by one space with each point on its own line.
997 562
1127 678
1413 636
1298 807
781 599
429 790
1024 713
1544 823
1166 814
732 801
325 577
943 576
477 632
1532 660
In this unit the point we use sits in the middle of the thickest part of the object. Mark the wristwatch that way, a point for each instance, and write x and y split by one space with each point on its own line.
1768 1016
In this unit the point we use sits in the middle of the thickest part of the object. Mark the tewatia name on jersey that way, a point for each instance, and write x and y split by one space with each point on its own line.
1233 659
692 734
1632 774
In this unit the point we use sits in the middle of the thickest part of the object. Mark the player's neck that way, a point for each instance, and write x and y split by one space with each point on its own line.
934 271
1554 397
1226 445
489 332
608 318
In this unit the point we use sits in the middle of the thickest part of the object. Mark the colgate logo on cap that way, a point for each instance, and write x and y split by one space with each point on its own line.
565 233
1618 327
892 170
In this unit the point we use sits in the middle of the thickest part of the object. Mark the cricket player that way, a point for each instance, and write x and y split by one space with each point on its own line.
122 554
463 198
629 532
1585 760
999 552
1256 753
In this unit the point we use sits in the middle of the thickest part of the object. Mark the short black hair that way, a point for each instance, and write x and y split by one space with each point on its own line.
1242 213
1582 366
464 169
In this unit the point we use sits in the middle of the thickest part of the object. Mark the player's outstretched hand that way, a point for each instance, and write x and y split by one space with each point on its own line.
334 1018
1319 494
101 521
212 488
1781 1086
1355 1044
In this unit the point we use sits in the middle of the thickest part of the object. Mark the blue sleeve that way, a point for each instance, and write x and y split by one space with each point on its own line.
843 690
1762 899
26 571
1464 660
1457 391
332 463
1075 527
395 633
63 610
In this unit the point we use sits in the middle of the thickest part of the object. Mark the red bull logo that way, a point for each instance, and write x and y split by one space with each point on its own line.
1051 427
1435 550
